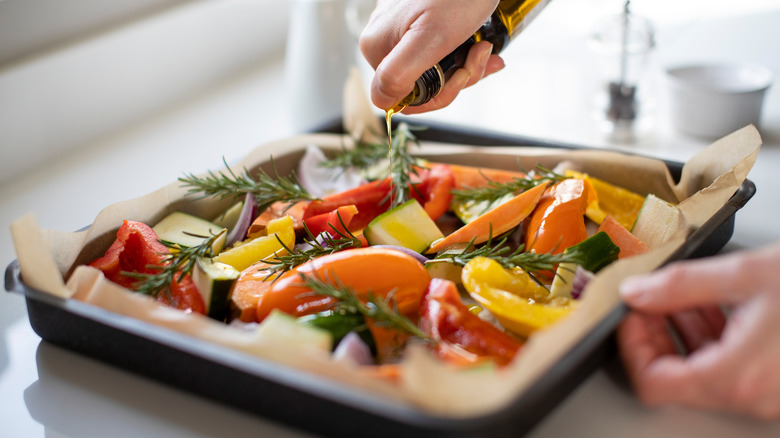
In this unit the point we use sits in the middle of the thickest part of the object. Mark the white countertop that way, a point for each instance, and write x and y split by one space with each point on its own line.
47 391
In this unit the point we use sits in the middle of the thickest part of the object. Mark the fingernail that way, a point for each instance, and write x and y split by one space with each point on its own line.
485 53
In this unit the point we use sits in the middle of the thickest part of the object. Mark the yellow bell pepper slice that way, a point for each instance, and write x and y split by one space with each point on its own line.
622 204
245 254
517 302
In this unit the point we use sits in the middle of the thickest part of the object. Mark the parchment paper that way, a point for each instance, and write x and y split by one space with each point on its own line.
51 260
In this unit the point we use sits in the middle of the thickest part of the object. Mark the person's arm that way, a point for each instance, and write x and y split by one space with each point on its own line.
403 38
732 363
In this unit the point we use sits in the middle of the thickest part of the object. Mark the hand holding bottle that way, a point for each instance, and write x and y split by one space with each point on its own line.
404 38
733 363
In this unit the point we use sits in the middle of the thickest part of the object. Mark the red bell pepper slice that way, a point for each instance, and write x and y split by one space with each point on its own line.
434 192
444 317
137 248
370 199
330 223
432 189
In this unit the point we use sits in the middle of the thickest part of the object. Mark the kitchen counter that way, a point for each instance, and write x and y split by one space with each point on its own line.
545 93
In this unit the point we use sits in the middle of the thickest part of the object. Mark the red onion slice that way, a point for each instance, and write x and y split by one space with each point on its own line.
245 219
581 279
353 349
421 258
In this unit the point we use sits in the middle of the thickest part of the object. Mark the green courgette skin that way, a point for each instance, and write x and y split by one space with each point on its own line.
598 251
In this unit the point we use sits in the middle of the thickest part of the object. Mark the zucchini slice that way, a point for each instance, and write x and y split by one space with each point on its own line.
407 225
188 230
215 282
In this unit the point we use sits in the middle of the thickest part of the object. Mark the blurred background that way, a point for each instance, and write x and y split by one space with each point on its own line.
104 101
72 72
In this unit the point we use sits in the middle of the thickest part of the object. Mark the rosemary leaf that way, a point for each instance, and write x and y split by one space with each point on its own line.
295 256
495 190
180 260
402 165
361 156
530 262
266 188
383 311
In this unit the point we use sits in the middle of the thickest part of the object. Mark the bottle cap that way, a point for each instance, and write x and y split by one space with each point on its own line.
428 85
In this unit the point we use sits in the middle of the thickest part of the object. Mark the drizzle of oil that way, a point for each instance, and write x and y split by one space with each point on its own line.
388 116
397 108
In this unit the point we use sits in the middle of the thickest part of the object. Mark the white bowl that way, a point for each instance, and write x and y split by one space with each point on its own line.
712 100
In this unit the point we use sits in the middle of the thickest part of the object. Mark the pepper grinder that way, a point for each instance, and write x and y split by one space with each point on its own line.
624 43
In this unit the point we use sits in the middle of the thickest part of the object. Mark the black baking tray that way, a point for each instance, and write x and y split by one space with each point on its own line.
280 393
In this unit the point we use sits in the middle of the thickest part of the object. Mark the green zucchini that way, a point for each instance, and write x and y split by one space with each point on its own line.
406 225
339 324
656 222
281 328
597 252
215 282
188 230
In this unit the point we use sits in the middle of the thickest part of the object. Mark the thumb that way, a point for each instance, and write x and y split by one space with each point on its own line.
728 279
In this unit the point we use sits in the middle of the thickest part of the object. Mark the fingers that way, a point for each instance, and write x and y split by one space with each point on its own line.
447 94
724 279
736 373
659 375
698 327
479 64
396 74
643 339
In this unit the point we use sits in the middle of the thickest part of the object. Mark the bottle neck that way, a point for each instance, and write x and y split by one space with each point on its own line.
427 86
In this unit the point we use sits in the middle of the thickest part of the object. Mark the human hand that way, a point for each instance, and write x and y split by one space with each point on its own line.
404 38
732 364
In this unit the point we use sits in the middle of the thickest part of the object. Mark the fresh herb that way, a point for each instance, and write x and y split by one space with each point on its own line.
267 189
296 256
178 263
402 165
530 262
493 190
383 311
361 156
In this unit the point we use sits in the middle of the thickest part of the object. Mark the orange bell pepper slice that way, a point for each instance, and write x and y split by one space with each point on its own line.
559 220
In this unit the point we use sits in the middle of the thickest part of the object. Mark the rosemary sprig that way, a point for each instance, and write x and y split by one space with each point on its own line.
361 156
266 188
383 311
180 261
402 165
295 256
530 262
495 190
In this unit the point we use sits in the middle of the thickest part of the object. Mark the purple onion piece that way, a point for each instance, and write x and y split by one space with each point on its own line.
321 239
353 349
245 219
581 279
421 258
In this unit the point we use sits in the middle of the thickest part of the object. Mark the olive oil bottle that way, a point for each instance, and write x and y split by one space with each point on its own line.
509 19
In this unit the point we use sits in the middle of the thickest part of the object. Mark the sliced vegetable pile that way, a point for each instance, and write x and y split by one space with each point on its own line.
466 261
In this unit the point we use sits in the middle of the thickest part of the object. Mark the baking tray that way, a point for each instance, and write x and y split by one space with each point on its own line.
279 393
